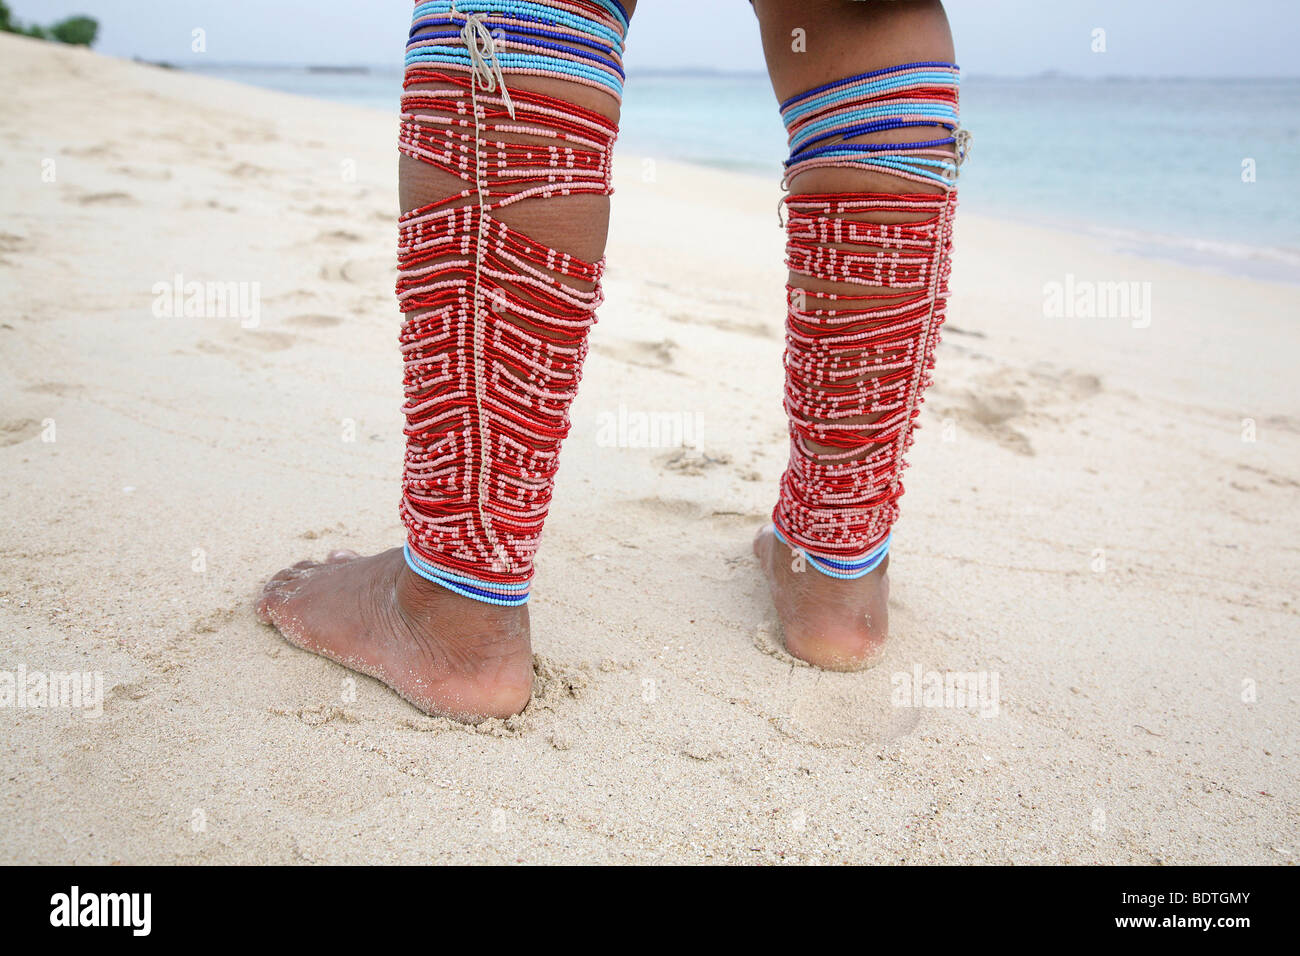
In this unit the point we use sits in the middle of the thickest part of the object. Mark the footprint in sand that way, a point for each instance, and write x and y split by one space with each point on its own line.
210 204
1285 422
133 691
258 340
681 508
139 172
61 389
247 171
18 430
755 329
318 210
1003 403
90 152
695 462
835 710
312 321
994 409
264 341
849 710
667 511
252 134
1075 386
366 272
645 354
990 414
1281 481
11 242
339 235
116 198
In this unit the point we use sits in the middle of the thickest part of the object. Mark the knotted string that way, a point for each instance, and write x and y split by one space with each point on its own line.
482 48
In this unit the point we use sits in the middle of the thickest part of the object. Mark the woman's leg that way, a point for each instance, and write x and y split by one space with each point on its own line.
868 94
509 114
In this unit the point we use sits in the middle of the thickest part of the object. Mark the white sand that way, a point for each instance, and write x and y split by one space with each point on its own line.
668 725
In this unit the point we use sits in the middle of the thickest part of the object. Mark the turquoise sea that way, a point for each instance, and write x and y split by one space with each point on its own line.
1195 169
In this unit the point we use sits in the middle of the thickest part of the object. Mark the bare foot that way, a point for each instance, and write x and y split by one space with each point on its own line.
831 623
448 655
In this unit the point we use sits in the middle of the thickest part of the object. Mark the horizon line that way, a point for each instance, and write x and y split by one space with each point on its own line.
713 71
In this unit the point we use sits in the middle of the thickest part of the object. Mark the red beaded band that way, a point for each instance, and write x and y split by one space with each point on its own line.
496 327
857 365
850 357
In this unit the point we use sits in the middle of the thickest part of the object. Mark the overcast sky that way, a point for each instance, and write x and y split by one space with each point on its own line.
1010 37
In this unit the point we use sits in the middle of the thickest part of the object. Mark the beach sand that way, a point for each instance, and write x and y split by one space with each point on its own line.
1086 522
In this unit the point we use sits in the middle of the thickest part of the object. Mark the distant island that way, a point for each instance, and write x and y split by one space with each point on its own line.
78 31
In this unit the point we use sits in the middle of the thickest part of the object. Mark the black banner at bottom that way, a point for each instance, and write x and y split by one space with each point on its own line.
336 906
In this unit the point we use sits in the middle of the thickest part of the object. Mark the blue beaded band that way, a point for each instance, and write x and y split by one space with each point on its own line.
523 33
832 135
489 592
519 61
837 567
535 12
849 80
594 57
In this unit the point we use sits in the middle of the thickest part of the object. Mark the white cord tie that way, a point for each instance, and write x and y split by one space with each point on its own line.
486 68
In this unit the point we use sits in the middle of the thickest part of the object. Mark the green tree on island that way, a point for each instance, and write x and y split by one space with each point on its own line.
78 31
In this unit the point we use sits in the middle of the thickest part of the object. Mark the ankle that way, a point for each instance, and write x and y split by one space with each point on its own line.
426 605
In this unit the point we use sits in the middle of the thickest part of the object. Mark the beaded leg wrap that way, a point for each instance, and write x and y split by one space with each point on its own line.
496 323
857 363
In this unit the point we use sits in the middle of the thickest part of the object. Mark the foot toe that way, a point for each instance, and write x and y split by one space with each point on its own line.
271 599
280 579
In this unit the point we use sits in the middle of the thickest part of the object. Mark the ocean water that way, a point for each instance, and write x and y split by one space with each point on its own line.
1198 170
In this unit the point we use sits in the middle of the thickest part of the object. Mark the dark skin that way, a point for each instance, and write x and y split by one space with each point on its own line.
835 624
446 654
453 656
